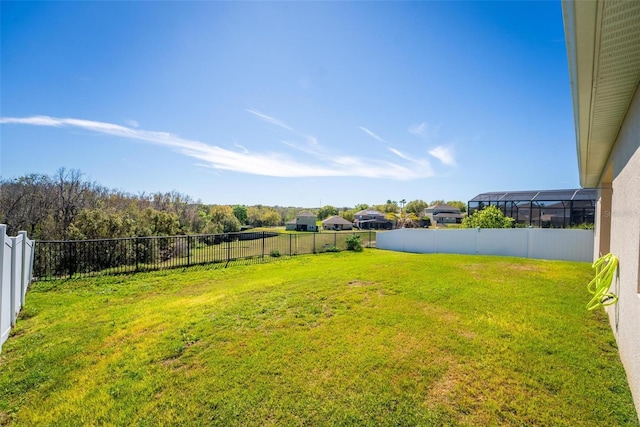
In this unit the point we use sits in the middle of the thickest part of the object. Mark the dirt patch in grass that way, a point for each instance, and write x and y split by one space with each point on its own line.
359 283
4 419
474 270
442 315
480 271
441 392
522 267
467 334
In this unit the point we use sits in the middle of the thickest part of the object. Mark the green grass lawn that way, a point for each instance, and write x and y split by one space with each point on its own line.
371 338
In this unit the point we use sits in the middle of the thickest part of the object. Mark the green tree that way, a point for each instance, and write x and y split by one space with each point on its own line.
361 206
158 223
416 207
326 211
348 214
388 207
254 216
458 204
100 224
261 216
224 216
212 228
489 217
240 212
271 217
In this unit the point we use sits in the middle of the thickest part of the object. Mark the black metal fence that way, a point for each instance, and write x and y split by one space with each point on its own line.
62 259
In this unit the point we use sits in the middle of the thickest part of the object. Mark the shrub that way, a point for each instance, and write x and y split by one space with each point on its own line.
583 226
331 248
489 217
275 253
354 243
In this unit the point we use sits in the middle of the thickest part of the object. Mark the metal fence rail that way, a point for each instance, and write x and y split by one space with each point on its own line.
62 259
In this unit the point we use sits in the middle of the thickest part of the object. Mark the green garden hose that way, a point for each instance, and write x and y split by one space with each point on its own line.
605 269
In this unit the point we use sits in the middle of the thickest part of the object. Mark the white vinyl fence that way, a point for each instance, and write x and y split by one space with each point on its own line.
542 243
16 266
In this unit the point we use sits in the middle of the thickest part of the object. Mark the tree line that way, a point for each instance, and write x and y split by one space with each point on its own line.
66 206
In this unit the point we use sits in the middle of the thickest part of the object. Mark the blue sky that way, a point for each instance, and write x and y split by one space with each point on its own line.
290 103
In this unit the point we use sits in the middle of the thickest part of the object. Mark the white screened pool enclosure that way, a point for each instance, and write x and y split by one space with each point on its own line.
544 208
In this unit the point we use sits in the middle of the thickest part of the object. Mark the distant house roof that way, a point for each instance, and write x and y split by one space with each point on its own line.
369 212
306 213
336 220
293 221
443 208
448 215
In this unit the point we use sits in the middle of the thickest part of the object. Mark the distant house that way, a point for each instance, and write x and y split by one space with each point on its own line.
304 221
443 214
368 219
336 223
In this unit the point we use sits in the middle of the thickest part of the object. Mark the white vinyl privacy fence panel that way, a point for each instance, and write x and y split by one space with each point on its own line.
16 265
541 243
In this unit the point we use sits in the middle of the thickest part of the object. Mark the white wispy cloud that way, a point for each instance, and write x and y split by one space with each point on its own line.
132 123
418 129
399 154
270 119
308 148
444 154
371 134
418 162
242 147
424 130
279 164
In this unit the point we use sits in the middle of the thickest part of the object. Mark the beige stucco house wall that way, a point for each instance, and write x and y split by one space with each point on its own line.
603 45
336 223
304 221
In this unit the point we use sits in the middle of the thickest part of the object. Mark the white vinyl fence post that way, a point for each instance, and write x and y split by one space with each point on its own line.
27 266
16 270
16 277
5 285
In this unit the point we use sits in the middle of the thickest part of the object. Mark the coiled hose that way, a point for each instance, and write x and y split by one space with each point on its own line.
605 269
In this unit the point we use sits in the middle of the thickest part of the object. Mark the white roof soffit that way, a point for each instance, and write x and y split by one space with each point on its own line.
603 49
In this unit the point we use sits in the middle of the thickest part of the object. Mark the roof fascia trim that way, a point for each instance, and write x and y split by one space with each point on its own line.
581 33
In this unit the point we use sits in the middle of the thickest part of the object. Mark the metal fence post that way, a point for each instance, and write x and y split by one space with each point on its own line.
263 237
137 252
188 251
72 258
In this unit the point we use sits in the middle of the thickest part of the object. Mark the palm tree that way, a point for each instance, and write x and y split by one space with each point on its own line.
403 219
